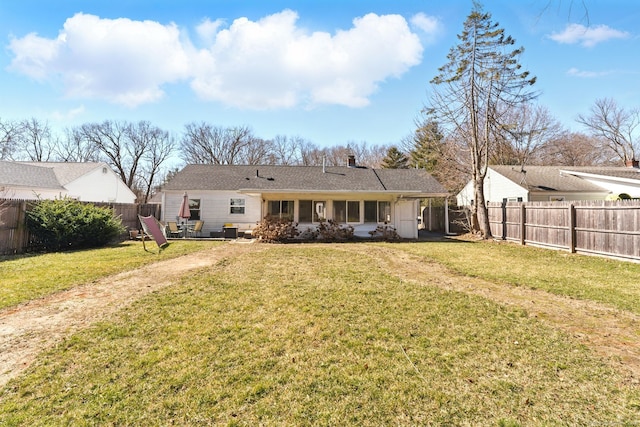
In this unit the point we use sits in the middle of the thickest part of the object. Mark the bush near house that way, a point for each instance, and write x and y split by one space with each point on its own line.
385 232
64 224
272 229
331 231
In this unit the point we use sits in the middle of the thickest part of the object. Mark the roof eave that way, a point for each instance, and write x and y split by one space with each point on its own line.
606 177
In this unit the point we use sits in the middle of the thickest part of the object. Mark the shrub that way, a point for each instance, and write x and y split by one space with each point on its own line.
331 231
272 229
385 232
63 224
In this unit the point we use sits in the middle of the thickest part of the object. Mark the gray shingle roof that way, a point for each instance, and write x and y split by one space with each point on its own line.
546 178
613 171
303 179
27 175
67 172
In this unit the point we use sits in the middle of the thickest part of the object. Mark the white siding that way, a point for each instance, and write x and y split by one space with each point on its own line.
31 193
465 197
616 187
215 209
100 185
496 188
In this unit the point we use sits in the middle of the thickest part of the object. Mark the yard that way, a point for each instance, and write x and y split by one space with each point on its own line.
458 333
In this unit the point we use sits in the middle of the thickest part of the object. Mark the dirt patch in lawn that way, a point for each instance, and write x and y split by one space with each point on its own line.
30 328
27 329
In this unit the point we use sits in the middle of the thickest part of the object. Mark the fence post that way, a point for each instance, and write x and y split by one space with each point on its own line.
504 219
523 221
572 228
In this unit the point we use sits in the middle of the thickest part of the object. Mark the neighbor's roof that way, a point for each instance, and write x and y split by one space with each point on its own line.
27 175
620 172
67 172
304 178
547 178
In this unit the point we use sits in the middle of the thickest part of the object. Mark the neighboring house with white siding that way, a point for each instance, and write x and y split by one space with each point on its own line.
535 184
358 196
84 181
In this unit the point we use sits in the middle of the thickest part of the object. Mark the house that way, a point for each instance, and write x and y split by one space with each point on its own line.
87 182
618 180
243 195
554 183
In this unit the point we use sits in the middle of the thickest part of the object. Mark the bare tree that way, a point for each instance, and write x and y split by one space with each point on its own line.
310 154
287 150
9 132
527 128
155 147
575 149
74 147
136 151
257 152
110 138
203 143
616 127
481 80
34 140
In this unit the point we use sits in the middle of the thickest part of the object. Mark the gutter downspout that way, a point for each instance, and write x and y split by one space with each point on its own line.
446 216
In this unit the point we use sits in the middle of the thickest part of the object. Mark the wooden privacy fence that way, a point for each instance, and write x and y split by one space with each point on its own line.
15 237
610 228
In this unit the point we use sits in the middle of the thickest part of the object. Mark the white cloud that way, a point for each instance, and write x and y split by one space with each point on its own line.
587 36
69 114
271 63
587 74
429 25
119 60
268 63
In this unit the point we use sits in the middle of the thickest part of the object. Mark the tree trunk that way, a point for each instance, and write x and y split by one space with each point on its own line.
481 208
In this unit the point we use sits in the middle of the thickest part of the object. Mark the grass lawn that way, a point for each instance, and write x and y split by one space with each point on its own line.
27 277
612 282
312 335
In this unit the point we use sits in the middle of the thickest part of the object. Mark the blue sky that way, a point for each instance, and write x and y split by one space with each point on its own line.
330 71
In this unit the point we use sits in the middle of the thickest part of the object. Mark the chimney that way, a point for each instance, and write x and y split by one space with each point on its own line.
351 161
632 164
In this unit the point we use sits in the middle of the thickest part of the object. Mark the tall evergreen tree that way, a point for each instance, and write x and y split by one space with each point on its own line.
428 141
395 159
479 83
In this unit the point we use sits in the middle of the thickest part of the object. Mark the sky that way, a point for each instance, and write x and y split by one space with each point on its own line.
330 71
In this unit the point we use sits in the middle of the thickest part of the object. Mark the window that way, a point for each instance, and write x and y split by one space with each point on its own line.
305 211
370 211
194 209
353 211
375 211
237 206
280 208
384 211
346 211
311 210
339 211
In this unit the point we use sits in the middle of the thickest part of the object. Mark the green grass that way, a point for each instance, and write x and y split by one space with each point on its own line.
612 282
310 335
28 277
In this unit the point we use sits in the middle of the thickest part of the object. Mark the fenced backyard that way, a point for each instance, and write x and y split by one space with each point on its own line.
609 228
15 237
